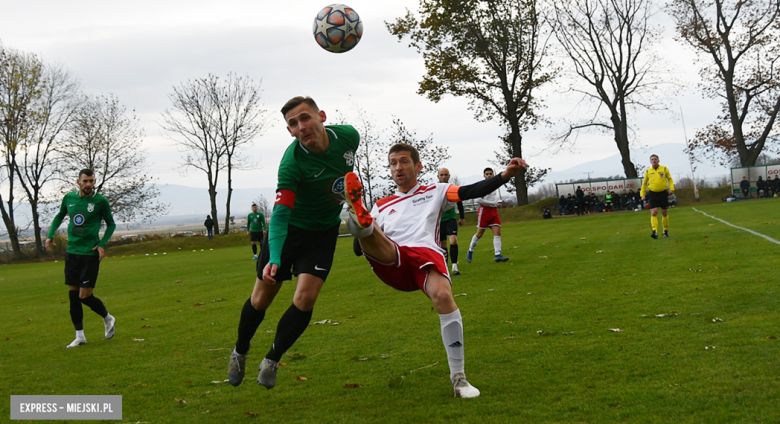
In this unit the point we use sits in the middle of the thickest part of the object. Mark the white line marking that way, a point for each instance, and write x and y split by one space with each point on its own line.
743 229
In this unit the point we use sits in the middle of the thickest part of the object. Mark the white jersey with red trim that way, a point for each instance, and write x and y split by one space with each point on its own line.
412 219
491 200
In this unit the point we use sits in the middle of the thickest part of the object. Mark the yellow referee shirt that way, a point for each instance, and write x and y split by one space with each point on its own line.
656 180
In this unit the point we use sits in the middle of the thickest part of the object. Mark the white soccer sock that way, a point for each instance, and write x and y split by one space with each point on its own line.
455 267
452 336
497 244
357 230
474 240
80 334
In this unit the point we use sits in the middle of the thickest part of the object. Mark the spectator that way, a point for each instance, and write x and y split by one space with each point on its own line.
776 182
770 187
608 199
594 202
209 224
761 187
744 185
632 199
623 201
546 213
571 204
672 200
580 200
562 206
586 204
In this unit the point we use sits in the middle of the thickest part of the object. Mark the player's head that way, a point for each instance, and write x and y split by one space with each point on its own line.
86 182
405 164
488 172
305 122
254 207
654 161
444 175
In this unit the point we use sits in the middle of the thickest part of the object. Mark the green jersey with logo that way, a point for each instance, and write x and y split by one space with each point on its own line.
256 222
86 215
318 178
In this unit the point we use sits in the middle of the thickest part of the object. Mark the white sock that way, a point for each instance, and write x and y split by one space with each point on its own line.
455 267
357 230
452 336
497 244
108 317
474 240
80 334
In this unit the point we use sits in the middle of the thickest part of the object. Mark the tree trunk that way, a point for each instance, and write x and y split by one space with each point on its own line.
621 140
213 200
229 195
39 246
10 226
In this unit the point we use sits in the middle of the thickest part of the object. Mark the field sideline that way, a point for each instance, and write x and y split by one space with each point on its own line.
698 314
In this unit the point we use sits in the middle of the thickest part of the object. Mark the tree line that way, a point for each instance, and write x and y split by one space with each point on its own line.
498 54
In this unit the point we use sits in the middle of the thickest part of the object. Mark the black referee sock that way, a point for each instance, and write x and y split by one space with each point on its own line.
446 255
96 305
290 327
76 311
454 253
247 327
254 249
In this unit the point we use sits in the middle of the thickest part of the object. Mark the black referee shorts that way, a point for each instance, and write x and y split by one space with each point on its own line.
304 252
448 228
81 270
658 199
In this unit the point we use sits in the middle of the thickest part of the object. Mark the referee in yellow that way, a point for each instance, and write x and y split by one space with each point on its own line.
658 180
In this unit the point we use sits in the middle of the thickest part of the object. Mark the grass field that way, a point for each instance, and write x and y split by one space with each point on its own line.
698 313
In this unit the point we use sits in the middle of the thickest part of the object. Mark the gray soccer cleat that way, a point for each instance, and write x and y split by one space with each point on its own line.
267 375
500 258
236 368
109 322
76 343
463 388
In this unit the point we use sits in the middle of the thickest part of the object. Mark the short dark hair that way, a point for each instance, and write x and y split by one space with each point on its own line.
403 147
86 171
488 169
295 101
651 156
254 204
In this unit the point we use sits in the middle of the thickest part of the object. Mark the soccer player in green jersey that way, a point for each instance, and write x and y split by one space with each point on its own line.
302 233
255 227
657 185
86 209
449 226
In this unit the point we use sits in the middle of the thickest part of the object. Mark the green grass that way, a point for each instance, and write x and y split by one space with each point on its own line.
573 279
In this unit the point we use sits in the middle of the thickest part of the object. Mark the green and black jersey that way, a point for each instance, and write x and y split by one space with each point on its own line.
86 215
317 180
256 222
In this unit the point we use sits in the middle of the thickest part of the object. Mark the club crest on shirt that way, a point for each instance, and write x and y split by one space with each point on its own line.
338 186
661 174
90 207
349 158
78 219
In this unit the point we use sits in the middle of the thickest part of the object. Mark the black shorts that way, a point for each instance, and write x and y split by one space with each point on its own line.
448 228
658 199
304 252
256 236
81 270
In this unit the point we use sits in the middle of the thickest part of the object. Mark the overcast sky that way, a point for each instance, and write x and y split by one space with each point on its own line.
139 50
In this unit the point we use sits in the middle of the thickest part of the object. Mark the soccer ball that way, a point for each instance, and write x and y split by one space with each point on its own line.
338 28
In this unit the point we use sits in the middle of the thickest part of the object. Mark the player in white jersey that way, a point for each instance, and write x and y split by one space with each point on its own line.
399 238
487 217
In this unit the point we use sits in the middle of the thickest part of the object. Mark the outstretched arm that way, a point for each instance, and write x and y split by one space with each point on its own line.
489 185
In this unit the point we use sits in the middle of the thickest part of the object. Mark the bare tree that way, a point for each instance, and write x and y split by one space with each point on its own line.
263 205
741 39
38 165
608 43
371 154
20 78
212 122
102 137
489 51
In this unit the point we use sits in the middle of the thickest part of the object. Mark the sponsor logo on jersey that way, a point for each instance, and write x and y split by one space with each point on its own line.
338 186
422 200
79 219
90 207
349 157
